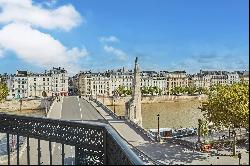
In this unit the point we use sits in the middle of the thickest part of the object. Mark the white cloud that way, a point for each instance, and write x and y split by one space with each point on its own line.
112 39
64 17
221 58
75 53
19 34
118 53
1 53
49 3
38 48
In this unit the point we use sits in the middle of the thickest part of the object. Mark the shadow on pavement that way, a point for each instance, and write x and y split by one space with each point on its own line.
171 153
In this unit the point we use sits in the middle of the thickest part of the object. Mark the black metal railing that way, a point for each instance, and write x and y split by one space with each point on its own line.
94 143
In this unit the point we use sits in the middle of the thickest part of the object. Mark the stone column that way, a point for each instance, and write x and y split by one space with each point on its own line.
133 106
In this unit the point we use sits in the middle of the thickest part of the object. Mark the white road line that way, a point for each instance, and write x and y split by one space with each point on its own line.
61 109
81 116
80 110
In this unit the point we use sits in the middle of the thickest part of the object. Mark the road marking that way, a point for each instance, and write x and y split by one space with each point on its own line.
61 110
81 116
80 110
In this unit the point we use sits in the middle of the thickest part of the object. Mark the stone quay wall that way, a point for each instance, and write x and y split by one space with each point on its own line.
34 104
150 99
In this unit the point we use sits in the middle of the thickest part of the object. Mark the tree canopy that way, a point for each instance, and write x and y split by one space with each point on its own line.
151 90
3 91
228 105
122 91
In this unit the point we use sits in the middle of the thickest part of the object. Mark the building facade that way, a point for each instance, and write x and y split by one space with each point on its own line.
104 84
24 84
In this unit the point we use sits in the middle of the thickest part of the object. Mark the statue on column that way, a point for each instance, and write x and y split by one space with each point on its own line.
133 106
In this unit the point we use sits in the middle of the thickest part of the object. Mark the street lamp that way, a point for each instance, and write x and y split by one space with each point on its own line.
239 157
234 143
199 130
158 120
114 106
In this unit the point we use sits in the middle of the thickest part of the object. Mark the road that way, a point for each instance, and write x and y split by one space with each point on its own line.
74 109
69 108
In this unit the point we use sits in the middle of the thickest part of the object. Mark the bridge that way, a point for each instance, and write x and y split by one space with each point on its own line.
72 133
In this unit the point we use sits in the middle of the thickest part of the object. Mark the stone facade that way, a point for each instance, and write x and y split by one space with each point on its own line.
24 84
133 106
103 84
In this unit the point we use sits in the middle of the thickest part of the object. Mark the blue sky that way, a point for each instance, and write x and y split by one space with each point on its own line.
99 35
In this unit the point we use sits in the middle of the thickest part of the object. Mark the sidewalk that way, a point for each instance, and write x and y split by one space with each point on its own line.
122 127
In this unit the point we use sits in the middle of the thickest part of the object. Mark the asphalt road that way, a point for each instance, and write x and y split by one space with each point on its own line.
78 109
74 109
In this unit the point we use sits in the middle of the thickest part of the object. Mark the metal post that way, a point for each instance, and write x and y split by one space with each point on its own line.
158 120
17 160
239 156
199 130
234 143
28 151
39 152
8 147
114 106
50 153
63 154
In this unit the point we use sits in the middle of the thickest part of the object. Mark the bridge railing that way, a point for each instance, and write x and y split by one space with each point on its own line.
94 143
141 129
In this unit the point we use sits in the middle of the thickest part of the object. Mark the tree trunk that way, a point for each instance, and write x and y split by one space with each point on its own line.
229 132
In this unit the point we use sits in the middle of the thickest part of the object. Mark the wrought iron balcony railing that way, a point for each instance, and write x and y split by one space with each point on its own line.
94 143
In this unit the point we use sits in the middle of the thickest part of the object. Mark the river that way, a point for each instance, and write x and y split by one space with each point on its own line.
173 114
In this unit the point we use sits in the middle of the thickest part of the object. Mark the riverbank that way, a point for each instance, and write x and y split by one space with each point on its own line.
173 114
109 101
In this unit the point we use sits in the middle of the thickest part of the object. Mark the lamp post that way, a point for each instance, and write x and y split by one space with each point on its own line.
234 143
158 120
239 157
199 130
114 106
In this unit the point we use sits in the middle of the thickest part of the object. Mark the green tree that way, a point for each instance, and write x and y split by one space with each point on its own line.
151 90
3 91
120 90
191 90
200 90
144 90
204 128
228 106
